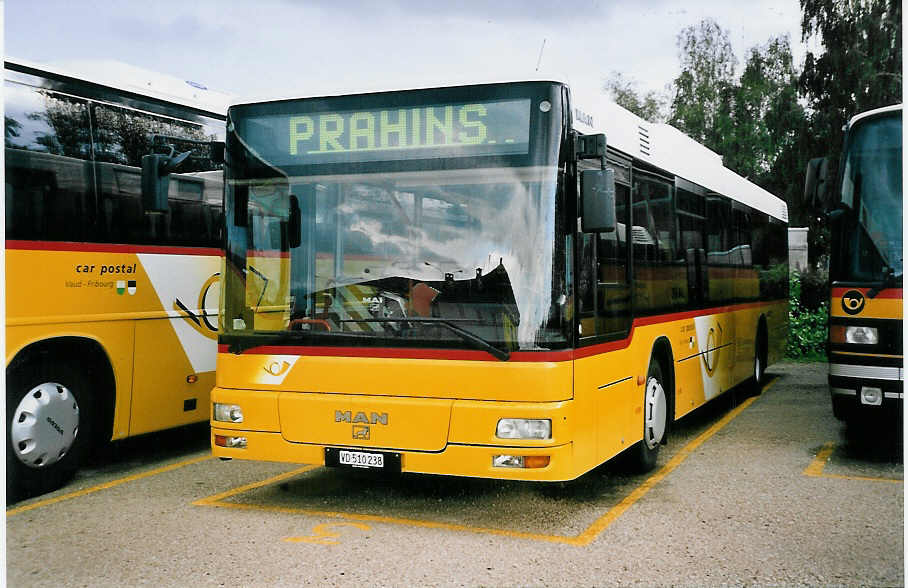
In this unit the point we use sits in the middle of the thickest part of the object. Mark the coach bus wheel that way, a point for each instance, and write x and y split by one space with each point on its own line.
655 418
48 427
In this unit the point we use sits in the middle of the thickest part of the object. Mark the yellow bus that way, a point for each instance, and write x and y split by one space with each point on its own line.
110 305
866 362
505 280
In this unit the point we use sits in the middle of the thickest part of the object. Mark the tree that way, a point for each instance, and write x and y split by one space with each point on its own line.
651 106
858 68
700 104
771 131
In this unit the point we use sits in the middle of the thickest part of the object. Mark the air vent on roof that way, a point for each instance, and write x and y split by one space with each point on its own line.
643 134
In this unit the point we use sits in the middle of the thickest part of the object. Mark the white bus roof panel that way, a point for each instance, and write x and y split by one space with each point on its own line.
129 78
667 148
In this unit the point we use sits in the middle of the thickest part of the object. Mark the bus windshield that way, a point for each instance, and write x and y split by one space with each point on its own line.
416 219
872 187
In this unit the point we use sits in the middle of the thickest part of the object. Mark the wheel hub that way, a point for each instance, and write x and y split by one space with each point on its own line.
656 410
44 425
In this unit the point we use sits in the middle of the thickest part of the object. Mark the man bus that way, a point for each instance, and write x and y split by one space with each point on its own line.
470 281
866 376
110 327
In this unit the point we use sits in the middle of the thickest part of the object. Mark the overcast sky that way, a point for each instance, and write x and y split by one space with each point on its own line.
260 48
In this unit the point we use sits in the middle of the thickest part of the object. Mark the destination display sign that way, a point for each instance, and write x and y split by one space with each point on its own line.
472 129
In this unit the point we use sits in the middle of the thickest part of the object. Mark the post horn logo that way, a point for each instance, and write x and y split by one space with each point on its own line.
277 368
853 302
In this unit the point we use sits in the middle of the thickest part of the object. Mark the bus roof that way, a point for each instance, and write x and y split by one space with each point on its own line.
136 80
665 147
874 112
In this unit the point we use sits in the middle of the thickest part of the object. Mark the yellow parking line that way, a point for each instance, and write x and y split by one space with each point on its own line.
211 500
105 486
816 467
616 511
584 538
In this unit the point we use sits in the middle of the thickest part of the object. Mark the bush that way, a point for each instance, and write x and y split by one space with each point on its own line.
808 314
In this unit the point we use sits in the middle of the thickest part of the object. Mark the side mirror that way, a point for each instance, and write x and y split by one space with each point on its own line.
156 170
154 184
597 200
294 224
816 183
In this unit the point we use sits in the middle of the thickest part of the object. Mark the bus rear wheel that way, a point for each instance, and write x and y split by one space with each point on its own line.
48 427
655 418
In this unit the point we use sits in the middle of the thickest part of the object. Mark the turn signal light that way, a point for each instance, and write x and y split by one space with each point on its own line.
520 461
230 442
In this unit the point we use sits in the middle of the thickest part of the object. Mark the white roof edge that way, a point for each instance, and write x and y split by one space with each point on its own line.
130 78
874 112
666 147
340 90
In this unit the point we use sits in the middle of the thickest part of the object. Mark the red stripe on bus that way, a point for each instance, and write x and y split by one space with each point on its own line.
471 355
108 248
890 293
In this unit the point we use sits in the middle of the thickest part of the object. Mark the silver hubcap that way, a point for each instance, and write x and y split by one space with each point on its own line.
44 425
656 410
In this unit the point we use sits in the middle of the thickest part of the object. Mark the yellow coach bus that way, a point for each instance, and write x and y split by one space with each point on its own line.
866 362
502 280
110 304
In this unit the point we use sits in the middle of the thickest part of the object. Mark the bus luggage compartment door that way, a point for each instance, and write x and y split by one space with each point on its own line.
416 424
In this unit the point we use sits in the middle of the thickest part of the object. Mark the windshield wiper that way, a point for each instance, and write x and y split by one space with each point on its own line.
479 342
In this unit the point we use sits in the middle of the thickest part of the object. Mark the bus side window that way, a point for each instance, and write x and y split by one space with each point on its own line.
48 179
122 137
654 238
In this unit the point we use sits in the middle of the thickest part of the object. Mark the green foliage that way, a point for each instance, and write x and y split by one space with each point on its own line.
650 106
807 327
702 93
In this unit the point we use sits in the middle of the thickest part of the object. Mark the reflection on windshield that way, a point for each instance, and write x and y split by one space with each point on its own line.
471 248
872 186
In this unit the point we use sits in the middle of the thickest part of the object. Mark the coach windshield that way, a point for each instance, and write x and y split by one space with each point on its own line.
872 187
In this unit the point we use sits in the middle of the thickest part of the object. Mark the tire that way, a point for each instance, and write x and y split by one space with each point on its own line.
655 419
758 378
48 426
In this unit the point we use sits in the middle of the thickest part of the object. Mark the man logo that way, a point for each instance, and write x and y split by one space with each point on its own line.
853 302
347 416
361 432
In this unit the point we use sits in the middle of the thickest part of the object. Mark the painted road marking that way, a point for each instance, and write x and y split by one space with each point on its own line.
584 538
105 486
816 467
324 535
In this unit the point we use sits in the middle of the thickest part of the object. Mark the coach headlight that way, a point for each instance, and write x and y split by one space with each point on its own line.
524 429
854 335
228 413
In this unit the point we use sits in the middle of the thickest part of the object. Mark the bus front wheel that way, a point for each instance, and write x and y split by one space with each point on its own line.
655 418
48 426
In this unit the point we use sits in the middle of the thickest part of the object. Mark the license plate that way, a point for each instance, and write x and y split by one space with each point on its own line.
359 459
371 460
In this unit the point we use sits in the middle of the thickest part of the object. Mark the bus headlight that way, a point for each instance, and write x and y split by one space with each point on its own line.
524 429
228 413
855 335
